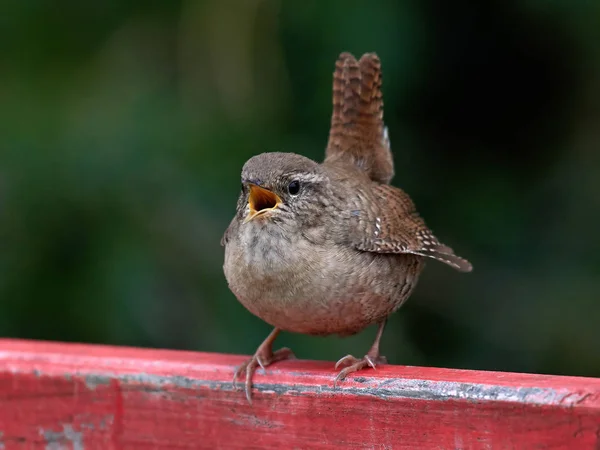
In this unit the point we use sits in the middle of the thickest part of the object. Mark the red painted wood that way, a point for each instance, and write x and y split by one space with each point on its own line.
55 396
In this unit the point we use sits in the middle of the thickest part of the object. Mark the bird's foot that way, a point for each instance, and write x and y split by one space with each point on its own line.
355 364
263 358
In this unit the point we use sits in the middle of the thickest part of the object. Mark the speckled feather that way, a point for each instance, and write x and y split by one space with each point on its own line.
358 137
391 224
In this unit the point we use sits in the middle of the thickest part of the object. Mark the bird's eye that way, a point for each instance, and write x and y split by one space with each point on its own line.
294 187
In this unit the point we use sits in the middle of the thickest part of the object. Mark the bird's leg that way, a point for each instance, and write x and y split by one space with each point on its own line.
263 356
371 359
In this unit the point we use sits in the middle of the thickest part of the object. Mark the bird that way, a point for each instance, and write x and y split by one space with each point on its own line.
329 248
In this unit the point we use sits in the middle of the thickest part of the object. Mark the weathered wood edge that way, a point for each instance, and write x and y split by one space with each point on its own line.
55 395
99 364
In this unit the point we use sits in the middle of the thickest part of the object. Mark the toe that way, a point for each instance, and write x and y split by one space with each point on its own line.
261 364
355 365
341 376
238 372
360 364
346 360
249 372
262 359
249 392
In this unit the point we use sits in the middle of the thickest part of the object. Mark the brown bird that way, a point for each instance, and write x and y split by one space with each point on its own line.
329 248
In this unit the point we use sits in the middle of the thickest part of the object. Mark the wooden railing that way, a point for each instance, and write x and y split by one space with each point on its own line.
67 396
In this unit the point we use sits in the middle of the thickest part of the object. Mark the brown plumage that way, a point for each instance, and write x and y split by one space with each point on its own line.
358 135
329 248
392 225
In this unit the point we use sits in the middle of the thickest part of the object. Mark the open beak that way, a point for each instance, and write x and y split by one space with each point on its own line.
261 201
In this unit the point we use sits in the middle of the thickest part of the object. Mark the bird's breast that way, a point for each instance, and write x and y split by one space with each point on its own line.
296 285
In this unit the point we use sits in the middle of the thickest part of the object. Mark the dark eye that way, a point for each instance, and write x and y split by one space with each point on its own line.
294 187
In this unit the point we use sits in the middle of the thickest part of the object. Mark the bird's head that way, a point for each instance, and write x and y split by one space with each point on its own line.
282 188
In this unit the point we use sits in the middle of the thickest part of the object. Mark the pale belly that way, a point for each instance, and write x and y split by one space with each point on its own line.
328 291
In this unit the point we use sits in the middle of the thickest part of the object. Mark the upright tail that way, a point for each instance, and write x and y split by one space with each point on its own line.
358 134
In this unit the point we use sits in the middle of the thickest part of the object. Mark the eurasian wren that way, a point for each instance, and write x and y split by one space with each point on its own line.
329 248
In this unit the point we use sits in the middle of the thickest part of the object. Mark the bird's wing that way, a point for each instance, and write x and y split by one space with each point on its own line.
358 135
391 224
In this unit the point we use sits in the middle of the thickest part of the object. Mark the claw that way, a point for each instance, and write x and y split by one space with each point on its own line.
249 371
260 363
238 372
370 361
356 364
348 359
260 358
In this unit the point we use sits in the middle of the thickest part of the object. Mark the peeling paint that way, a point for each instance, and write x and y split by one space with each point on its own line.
2 446
159 382
59 440
386 389
92 381
392 388
93 421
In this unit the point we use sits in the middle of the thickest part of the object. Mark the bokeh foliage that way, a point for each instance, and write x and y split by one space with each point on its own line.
124 125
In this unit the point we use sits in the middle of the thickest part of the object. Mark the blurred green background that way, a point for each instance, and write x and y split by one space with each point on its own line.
124 126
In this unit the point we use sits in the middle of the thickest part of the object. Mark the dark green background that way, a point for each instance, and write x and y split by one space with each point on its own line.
124 126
